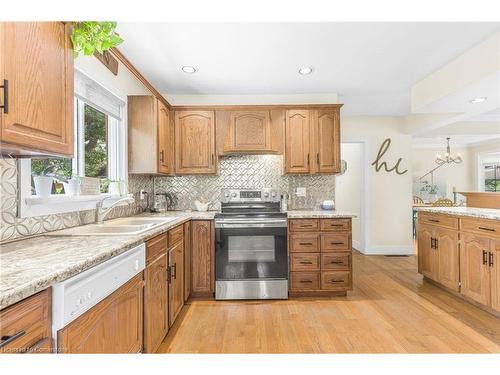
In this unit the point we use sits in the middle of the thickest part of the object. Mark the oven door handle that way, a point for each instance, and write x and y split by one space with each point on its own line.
252 225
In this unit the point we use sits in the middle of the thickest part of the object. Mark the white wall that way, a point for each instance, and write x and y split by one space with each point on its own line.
389 204
348 188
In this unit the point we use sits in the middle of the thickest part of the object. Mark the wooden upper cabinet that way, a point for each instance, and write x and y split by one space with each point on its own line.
327 140
474 269
297 143
150 136
195 142
249 131
36 60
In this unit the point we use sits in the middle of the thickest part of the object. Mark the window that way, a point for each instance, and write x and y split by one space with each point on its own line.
100 152
492 177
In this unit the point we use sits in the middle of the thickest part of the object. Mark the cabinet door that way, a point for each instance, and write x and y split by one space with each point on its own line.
114 325
165 144
297 147
327 134
448 262
155 304
428 257
187 260
474 269
195 142
176 286
202 246
36 60
249 131
495 274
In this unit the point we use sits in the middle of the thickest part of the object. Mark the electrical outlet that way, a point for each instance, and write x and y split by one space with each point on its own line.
300 192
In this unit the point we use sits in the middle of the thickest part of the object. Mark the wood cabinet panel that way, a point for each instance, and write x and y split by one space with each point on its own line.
176 285
438 220
448 258
474 269
155 247
165 140
27 325
300 281
195 142
327 140
249 131
495 274
334 225
114 325
297 141
304 262
336 262
304 242
202 252
303 225
481 226
427 256
336 280
175 235
335 242
155 303
36 60
187 260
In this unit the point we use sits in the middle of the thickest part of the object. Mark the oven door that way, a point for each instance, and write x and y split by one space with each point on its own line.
251 251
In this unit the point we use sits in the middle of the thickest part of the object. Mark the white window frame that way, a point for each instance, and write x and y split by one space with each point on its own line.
31 205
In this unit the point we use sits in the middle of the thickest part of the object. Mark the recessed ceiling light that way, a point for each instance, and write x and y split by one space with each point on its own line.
305 70
478 100
189 69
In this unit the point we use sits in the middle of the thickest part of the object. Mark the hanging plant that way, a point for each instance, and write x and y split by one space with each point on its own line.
92 36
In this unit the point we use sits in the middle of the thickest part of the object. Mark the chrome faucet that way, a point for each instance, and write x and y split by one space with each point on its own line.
101 213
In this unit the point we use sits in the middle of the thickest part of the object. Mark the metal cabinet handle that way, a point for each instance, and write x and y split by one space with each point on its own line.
305 262
336 281
162 156
169 274
5 104
336 243
336 262
8 339
306 243
317 158
487 229
485 257
490 259
307 159
174 275
434 220
336 225
436 243
305 281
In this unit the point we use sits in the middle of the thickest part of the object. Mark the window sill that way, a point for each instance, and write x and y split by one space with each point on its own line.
58 204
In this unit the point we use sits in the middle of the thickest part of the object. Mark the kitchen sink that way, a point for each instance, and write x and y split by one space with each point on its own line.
117 227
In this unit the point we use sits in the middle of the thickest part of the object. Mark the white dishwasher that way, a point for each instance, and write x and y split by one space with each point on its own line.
75 296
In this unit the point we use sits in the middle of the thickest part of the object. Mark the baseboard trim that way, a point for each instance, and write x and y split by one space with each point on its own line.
389 250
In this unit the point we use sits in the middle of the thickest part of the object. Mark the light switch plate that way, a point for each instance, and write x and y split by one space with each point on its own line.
300 192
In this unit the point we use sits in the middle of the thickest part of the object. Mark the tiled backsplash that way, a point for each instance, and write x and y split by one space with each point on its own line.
247 171
12 227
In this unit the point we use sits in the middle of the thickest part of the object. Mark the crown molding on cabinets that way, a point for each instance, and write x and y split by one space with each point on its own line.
253 107
120 56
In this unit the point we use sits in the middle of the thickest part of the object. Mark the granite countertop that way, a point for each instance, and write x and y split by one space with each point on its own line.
322 214
34 264
480 213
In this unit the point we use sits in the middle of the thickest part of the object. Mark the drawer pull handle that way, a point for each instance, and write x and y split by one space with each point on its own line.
5 104
306 243
485 257
434 220
8 339
305 262
488 229
490 258
336 262
336 243
336 280
306 225
305 281
336 225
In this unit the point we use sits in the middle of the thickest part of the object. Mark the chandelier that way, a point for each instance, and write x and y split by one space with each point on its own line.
448 158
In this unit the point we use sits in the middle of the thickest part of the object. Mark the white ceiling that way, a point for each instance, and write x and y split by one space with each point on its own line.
372 66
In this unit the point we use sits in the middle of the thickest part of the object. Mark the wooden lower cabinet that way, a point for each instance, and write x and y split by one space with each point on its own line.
320 255
176 284
474 268
495 274
202 255
26 326
448 258
155 294
427 256
114 325
187 260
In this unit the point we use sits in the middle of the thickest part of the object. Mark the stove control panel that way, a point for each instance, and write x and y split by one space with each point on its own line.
250 195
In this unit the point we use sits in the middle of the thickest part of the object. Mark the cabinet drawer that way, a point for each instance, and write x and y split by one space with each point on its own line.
336 262
436 219
175 235
336 280
304 262
331 225
336 242
302 243
304 225
27 325
485 227
304 280
155 247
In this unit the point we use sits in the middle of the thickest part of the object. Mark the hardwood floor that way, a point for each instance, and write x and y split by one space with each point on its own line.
390 310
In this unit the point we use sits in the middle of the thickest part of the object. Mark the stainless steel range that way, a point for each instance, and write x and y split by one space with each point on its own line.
251 259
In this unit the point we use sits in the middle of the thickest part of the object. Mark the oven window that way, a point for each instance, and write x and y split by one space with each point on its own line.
251 249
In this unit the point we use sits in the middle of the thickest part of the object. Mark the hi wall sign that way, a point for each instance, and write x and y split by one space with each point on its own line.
379 163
